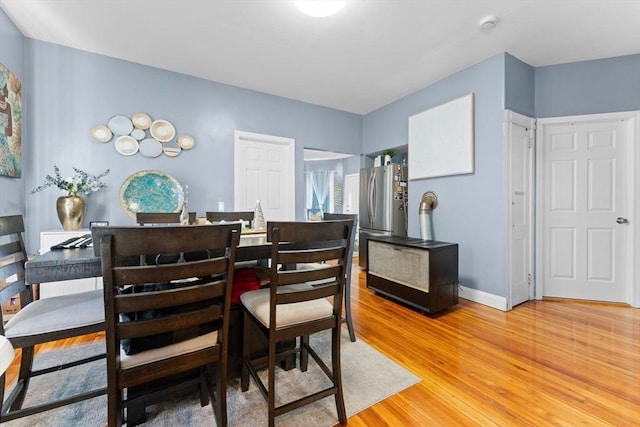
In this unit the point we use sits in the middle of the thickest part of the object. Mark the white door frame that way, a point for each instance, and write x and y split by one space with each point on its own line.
350 176
511 117
633 180
290 181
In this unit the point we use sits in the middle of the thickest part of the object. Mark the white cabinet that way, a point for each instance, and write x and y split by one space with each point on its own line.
52 289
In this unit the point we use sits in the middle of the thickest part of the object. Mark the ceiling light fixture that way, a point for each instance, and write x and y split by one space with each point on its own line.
320 8
488 23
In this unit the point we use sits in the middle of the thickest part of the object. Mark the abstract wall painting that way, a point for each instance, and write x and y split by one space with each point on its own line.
10 124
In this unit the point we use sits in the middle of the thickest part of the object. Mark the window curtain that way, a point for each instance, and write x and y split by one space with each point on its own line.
321 183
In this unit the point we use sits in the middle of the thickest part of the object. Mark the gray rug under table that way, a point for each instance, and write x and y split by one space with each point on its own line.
368 377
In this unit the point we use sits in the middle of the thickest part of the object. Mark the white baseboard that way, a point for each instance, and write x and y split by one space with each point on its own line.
484 298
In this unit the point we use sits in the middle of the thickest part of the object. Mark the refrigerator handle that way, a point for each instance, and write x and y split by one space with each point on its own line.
369 195
372 198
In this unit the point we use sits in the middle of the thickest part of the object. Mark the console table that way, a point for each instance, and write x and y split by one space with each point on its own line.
420 273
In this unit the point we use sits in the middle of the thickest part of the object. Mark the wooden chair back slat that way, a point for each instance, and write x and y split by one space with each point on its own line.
156 300
132 275
230 216
331 230
308 256
175 322
143 218
322 272
324 290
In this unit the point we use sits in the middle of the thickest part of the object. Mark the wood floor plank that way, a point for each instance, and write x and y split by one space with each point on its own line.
557 362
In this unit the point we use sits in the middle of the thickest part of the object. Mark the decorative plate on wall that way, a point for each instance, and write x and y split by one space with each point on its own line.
101 133
141 120
150 147
162 130
171 149
126 145
120 125
150 191
138 134
186 142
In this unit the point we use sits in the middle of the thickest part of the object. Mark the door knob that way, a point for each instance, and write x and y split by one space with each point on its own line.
621 220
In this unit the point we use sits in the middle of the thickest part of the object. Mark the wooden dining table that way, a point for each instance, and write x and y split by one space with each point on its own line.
82 263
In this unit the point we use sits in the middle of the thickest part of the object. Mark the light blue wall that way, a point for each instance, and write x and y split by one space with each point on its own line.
67 91
471 210
12 194
73 90
588 87
519 86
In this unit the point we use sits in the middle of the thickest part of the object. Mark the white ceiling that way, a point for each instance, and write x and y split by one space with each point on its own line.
370 54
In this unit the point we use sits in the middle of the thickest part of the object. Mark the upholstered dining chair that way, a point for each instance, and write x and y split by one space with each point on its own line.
347 288
297 304
167 320
38 322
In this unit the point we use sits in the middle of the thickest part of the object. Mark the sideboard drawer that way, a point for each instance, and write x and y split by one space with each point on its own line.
407 266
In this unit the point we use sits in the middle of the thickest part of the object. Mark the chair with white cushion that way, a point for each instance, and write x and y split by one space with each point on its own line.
299 303
169 321
40 321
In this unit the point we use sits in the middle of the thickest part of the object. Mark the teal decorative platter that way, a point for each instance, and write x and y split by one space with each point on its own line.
150 191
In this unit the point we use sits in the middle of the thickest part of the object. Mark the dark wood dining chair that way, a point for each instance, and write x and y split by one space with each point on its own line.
143 218
38 322
167 320
347 289
230 216
299 303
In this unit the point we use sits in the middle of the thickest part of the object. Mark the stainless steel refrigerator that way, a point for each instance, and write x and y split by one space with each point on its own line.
383 204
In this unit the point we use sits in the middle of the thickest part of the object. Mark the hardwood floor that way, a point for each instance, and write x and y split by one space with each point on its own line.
544 363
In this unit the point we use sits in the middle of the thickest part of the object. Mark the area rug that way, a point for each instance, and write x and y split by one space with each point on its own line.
367 375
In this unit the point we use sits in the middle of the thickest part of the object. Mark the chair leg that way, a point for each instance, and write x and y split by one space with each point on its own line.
337 374
26 366
271 388
219 401
304 353
246 351
114 408
347 308
205 387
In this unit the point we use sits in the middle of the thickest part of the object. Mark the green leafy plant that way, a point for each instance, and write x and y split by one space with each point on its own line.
389 153
80 184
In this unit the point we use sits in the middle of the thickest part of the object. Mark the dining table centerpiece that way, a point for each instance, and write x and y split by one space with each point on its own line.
72 207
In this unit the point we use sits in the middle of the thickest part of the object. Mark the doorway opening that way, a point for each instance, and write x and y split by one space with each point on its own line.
332 182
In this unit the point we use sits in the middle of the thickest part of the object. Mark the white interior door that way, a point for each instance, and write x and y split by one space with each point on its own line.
264 169
520 135
586 171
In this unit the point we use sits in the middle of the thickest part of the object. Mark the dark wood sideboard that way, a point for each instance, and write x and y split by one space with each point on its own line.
420 273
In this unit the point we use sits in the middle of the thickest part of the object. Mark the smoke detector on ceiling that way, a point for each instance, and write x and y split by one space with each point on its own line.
488 23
